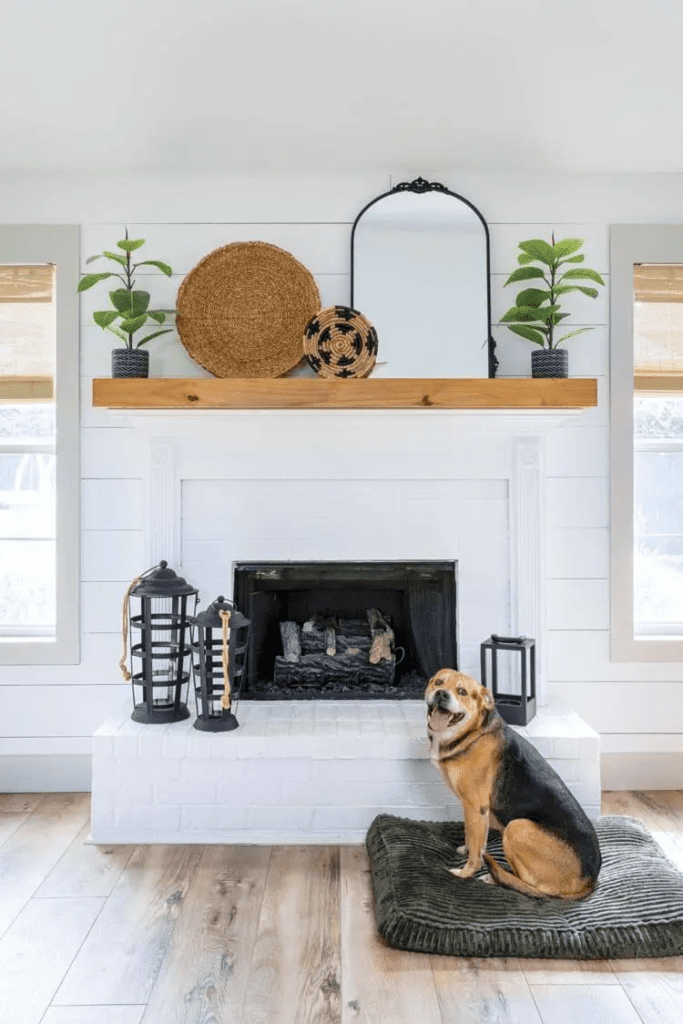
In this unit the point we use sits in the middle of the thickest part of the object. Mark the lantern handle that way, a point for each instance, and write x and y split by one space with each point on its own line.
124 625
225 699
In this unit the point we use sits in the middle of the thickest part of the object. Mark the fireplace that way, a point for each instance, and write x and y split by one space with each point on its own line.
346 630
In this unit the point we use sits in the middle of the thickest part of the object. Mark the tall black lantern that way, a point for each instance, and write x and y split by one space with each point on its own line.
518 706
160 645
220 652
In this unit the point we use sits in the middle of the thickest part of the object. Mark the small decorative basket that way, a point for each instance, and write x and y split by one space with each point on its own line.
340 342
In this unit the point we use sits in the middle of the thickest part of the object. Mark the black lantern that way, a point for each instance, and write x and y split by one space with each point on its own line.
160 645
518 706
220 652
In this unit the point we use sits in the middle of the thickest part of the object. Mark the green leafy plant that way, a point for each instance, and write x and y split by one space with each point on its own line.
536 312
130 312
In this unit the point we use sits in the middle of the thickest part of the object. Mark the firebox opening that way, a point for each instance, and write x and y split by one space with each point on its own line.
335 608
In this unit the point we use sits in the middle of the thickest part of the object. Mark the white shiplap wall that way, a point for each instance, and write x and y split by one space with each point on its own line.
53 710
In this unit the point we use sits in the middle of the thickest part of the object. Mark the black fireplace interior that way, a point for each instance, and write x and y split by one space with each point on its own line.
336 613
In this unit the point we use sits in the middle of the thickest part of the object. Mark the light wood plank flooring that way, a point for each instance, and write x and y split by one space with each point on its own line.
267 935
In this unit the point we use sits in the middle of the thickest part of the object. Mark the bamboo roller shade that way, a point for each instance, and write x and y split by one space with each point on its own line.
27 332
658 327
33 283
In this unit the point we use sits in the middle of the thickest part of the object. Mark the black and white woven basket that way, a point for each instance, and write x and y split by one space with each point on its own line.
340 342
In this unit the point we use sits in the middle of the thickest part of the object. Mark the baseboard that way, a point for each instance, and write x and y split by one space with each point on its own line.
45 773
652 770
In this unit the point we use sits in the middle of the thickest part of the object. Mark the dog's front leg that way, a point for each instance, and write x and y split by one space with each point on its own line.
476 833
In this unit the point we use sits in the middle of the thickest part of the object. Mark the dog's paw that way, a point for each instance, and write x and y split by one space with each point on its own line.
487 879
461 849
462 872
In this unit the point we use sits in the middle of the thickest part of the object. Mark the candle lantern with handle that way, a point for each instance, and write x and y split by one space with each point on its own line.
220 650
159 644
515 698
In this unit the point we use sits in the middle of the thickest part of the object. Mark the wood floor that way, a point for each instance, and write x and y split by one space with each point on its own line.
213 934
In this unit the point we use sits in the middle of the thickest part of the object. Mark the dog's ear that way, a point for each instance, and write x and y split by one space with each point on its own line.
487 701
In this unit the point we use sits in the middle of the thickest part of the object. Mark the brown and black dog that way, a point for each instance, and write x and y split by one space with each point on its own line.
501 779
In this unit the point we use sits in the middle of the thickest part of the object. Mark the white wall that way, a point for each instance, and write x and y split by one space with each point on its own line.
635 707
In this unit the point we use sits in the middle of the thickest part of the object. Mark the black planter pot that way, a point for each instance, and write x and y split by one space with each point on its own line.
129 362
550 363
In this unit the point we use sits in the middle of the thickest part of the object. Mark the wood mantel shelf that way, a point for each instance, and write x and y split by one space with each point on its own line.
369 393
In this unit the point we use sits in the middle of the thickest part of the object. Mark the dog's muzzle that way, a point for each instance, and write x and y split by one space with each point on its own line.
442 713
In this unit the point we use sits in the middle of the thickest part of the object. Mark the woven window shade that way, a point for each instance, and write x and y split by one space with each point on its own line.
27 332
658 327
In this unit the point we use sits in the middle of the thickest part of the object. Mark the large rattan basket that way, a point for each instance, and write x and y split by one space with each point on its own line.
242 311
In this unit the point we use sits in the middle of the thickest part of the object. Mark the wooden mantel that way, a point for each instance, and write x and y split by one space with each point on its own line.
370 393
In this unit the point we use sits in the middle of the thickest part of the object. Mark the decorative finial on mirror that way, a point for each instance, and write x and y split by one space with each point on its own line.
420 185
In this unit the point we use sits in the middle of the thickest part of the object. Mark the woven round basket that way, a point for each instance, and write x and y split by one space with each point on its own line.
243 309
340 342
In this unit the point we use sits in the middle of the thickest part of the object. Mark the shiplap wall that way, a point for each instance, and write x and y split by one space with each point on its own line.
53 710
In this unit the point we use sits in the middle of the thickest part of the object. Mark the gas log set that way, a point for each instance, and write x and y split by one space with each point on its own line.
337 653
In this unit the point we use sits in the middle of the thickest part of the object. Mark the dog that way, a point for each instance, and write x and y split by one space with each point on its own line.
501 780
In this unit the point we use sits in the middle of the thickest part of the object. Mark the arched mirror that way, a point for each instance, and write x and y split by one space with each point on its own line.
420 273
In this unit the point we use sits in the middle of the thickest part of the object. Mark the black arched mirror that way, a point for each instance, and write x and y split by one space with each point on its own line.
420 272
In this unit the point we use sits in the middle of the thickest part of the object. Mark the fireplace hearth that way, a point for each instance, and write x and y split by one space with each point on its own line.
346 630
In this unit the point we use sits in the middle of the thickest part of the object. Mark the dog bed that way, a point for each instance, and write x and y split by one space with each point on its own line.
636 909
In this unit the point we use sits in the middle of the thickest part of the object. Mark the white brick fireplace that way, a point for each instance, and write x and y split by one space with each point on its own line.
328 485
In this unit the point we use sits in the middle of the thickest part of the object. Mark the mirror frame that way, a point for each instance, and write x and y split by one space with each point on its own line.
420 186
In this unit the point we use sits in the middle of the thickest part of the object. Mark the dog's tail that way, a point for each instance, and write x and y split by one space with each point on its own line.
510 881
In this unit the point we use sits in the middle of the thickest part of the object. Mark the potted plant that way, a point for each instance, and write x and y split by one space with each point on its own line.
536 313
130 310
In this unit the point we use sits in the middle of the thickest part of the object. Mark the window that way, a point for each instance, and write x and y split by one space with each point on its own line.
39 433
647 442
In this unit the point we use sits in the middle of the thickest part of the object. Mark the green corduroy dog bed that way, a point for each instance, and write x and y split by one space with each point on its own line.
636 909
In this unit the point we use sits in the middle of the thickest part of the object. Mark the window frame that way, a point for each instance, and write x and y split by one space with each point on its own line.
630 244
58 244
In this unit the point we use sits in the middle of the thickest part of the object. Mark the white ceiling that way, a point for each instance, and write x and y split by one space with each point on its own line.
236 86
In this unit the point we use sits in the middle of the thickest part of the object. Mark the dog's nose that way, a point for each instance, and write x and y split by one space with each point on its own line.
441 698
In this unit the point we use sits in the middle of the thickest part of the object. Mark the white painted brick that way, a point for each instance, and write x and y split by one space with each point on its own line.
588 771
151 744
125 746
288 782
409 770
322 748
213 818
566 769
275 771
585 793
452 812
187 793
103 768
165 817
281 818
102 746
260 788
154 772
345 818
565 748
254 746
103 815
134 793
204 771
589 747
220 745
544 745
175 740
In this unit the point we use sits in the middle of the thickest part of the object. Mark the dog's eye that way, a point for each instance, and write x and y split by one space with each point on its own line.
462 691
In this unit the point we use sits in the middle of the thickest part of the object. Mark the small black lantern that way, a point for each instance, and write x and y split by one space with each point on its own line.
220 651
160 645
518 706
